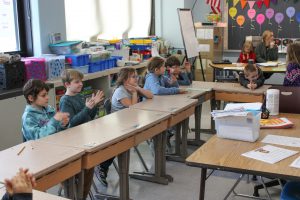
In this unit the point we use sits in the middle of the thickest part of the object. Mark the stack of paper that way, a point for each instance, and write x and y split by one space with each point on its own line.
240 111
247 106
269 154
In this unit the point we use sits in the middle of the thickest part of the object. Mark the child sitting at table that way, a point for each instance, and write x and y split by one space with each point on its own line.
292 75
156 82
40 119
20 186
247 53
173 67
252 77
81 110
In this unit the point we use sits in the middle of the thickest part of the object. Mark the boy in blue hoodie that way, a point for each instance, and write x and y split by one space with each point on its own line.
173 67
39 119
156 82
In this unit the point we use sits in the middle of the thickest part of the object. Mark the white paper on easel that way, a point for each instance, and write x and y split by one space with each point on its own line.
269 154
203 48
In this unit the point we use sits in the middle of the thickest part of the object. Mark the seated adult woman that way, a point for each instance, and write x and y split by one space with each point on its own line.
266 50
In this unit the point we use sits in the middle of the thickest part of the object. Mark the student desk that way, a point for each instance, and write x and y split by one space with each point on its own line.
225 155
50 164
180 107
112 135
233 67
37 195
233 92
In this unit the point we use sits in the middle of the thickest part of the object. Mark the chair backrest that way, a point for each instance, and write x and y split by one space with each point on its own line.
289 99
107 106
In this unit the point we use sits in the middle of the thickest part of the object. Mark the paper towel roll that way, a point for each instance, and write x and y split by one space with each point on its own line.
272 103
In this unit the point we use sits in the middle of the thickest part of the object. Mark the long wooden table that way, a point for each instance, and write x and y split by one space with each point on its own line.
114 135
281 68
50 164
37 195
180 107
225 155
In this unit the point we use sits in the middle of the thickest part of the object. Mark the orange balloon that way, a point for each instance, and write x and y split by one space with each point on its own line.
240 20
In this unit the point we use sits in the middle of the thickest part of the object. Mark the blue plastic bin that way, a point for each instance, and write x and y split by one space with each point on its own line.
78 59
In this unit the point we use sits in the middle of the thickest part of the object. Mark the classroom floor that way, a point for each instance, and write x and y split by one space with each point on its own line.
186 183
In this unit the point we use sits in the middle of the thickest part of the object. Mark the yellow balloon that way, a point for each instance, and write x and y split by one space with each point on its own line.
232 12
240 20
235 2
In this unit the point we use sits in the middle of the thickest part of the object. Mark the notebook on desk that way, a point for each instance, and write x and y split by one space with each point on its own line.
289 99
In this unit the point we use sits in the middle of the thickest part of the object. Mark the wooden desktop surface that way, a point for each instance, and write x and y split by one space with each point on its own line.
42 160
107 130
227 87
168 103
225 154
38 157
37 195
277 69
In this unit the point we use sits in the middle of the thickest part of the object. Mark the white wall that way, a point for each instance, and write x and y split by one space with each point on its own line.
48 16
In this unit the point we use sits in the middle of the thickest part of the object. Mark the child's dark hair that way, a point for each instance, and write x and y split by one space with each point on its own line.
250 68
155 63
293 52
33 87
172 61
124 75
70 74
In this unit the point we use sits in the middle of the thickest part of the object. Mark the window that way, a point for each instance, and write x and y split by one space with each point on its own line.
13 35
113 19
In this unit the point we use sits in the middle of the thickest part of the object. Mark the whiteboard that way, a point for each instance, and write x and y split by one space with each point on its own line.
188 32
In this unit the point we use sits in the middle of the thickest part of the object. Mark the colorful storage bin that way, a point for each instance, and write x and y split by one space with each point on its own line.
78 59
65 48
35 68
55 65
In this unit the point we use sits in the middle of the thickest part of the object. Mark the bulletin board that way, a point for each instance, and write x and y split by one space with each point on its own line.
251 18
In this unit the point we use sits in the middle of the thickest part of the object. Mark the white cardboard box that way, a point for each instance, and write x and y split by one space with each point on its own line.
245 128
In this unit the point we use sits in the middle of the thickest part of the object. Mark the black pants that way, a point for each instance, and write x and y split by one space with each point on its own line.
105 165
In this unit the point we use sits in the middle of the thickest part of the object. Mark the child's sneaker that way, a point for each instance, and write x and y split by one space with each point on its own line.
102 174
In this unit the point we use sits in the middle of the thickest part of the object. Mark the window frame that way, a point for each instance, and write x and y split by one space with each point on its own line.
25 31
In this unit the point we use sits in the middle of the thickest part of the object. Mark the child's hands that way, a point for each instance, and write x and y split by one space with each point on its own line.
173 79
63 117
252 86
21 183
90 103
130 88
182 91
98 97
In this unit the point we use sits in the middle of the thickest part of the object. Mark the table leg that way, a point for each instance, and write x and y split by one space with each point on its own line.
159 175
202 183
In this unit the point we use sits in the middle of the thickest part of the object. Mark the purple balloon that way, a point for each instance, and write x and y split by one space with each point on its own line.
270 13
290 12
279 17
298 17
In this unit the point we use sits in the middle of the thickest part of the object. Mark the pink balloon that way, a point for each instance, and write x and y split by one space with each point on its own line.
260 18
279 17
270 13
251 13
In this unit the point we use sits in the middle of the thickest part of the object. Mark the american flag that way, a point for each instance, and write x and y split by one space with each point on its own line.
214 5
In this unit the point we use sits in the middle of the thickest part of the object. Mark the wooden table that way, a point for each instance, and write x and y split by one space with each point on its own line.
114 135
224 154
233 67
180 107
233 92
37 195
50 164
